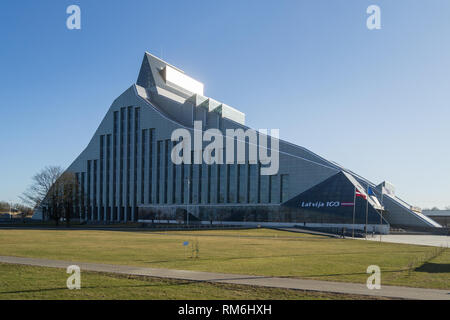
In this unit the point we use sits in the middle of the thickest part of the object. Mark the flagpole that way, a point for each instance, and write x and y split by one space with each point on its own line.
367 208
354 205
381 221
381 211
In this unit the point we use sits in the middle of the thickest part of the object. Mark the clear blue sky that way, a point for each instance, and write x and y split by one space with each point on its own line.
377 102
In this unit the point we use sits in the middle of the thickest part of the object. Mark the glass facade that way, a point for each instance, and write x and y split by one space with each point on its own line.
167 162
158 170
284 187
135 164
114 198
83 196
108 177
94 195
174 178
125 173
128 169
150 185
88 191
150 165
121 152
102 158
332 201
143 163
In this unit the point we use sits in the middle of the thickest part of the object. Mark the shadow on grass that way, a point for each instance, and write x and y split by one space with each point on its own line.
157 231
434 268
306 276
206 257
223 259
103 287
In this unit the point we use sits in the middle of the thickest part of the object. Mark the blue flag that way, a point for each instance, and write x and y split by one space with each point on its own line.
370 191
185 243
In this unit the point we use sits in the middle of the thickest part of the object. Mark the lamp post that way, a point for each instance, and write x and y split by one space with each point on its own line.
354 213
188 199
381 211
367 211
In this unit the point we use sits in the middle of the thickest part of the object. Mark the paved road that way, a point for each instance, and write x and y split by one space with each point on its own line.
288 283
417 239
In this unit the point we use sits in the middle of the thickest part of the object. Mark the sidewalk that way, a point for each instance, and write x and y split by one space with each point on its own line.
287 283
419 239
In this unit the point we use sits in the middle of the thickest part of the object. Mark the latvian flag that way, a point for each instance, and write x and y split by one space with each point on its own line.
359 194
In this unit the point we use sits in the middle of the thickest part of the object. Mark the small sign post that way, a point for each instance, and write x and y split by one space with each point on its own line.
185 245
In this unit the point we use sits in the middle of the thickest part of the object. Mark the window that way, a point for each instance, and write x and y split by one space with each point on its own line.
270 187
228 191
108 175
218 166
166 169
284 187
150 165
258 192
143 144
95 213
76 194
83 204
190 182
115 129
135 169
208 184
158 171
242 183
128 177
200 182
121 150
174 177
102 158
182 182
89 204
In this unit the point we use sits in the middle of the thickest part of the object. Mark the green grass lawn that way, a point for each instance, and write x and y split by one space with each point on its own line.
255 251
26 282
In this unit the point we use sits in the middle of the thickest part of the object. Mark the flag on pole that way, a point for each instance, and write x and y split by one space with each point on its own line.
359 194
370 191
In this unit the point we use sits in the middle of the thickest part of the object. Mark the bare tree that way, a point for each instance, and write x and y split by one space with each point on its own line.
63 198
4 206
42 183
23 209
69 196
56 192
16 208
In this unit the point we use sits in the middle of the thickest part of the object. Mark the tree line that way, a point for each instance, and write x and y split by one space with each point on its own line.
15 208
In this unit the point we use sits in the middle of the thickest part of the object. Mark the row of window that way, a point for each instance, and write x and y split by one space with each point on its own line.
161 181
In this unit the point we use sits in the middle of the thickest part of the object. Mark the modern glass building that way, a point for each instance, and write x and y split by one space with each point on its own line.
126 172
